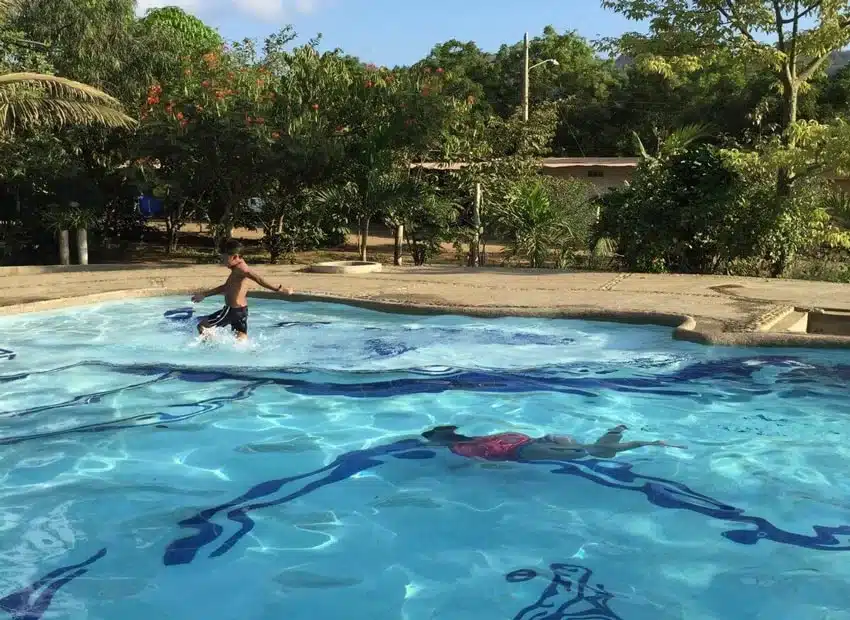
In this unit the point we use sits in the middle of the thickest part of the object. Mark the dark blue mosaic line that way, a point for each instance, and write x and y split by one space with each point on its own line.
580 379
659 491
196 408
568 595
184 550
32 602
671 494
697 381
180 315
307 324
7 355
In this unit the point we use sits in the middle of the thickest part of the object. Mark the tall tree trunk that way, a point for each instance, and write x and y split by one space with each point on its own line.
173 224
83 246
790 97
399 241
173 238
64 247
363 237
784 177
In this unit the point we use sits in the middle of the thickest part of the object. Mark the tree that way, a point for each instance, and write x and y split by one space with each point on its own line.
29 99
362 198
696 208
580 74
200 136
307 150
541 221
181 31
497 154
834 96
388 120
771 33
426 216
473 71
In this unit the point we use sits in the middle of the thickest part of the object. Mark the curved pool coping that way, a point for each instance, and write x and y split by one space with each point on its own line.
685 328
346 267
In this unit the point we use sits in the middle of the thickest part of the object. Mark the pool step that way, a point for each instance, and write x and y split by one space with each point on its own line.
796 322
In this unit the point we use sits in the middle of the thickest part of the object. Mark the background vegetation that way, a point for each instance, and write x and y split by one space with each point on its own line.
737 110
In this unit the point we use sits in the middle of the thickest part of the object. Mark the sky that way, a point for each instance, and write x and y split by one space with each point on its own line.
399 32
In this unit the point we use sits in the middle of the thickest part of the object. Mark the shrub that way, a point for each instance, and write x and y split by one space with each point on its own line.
705 209
545 219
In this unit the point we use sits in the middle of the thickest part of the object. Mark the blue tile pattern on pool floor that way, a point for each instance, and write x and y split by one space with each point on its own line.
148 474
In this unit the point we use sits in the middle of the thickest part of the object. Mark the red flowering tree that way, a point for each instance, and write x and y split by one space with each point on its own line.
199 136
390 119
304 149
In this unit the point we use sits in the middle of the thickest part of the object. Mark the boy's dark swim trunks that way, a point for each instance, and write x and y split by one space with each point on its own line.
236 318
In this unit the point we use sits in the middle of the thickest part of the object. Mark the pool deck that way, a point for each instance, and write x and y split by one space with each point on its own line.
705 309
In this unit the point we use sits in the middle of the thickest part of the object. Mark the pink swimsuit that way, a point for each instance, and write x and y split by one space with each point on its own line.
500 447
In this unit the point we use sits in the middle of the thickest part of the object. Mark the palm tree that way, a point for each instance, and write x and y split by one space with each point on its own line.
362 198
35 99
534 225
677 141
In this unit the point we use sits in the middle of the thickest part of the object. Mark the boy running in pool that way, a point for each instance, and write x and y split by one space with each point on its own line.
519 447
235 291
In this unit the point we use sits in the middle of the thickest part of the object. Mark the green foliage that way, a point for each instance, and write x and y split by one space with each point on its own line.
182 31
544 220
326 143
429 217
704 210
791 40
573 199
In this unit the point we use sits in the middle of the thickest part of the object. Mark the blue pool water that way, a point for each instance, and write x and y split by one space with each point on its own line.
147 475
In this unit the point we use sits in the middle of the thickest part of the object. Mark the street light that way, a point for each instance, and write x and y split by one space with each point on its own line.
552 61
526 70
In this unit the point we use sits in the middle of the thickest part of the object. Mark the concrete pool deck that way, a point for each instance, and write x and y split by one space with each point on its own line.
705 309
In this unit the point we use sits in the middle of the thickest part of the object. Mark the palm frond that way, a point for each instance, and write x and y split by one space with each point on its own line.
640 147
28 99
57 86
9 7
683 137
336 197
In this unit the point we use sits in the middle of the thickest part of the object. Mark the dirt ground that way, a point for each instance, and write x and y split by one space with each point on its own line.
194 238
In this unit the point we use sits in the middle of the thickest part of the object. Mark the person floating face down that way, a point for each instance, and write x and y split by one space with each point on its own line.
519 447
234 314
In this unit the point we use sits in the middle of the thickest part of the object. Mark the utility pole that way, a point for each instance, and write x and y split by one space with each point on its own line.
526 69
475 246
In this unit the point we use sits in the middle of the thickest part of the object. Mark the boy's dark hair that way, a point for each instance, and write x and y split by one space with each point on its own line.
445 433
232 247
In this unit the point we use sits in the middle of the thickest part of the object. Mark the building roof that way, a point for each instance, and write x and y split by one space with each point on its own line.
548 162
591 162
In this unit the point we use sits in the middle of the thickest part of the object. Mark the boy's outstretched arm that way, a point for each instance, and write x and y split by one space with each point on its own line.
199 297
262 282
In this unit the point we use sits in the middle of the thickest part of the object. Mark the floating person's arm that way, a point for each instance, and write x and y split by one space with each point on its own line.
631 445
199 297
262 282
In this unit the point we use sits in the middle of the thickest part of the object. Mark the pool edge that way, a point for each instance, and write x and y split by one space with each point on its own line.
684 328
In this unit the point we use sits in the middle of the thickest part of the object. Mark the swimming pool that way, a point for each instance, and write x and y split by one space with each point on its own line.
145 475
